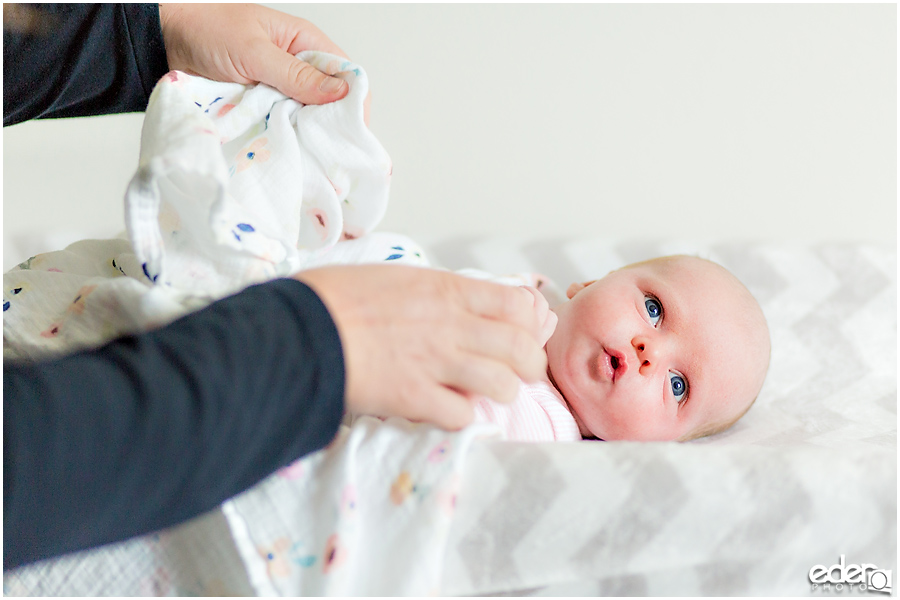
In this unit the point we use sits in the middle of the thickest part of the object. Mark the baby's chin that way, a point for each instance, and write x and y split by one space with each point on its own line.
585 431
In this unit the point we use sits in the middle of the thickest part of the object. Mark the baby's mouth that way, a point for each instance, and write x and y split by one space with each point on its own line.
617 366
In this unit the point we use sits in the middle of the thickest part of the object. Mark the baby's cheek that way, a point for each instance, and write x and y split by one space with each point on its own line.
639 422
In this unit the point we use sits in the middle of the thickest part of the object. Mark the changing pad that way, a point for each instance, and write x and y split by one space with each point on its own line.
808 475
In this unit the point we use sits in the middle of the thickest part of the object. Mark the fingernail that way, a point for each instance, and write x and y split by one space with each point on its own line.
331 85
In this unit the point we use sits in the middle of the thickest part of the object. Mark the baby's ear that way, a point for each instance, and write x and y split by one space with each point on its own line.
575 288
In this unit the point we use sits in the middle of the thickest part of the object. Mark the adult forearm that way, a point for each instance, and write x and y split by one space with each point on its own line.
67 60
156 428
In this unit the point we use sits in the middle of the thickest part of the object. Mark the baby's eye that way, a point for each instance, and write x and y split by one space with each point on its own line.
679 386
654 309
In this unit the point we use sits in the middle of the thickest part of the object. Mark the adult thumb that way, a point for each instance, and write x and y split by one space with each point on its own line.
296 78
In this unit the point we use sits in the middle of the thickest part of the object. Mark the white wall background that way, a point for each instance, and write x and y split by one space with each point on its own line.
631 121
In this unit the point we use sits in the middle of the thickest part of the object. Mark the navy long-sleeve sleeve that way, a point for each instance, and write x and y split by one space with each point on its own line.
82 59
155 428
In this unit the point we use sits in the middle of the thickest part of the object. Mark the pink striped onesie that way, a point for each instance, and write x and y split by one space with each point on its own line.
538 414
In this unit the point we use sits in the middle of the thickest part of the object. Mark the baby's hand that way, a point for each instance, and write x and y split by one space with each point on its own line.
546 317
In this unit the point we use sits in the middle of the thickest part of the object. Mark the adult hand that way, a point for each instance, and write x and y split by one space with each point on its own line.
247 43
421 343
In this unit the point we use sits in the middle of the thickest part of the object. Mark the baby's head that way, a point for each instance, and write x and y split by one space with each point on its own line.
673 348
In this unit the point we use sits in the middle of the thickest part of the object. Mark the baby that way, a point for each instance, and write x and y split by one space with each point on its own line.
673 348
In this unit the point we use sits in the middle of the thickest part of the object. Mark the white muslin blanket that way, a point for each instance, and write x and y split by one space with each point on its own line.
369 515
236 185
241 183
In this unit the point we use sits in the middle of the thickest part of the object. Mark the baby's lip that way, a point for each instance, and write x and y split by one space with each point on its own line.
614 365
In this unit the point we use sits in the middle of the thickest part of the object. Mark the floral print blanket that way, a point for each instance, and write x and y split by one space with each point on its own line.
236 184
368 515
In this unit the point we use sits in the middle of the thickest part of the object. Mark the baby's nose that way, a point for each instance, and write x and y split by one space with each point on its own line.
647 354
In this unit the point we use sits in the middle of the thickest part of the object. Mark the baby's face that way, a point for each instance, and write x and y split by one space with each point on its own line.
658 350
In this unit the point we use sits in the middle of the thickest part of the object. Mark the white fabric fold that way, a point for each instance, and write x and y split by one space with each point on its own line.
235 185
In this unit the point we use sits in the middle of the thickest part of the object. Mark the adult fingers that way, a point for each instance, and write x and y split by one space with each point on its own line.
548 328
445 407
540 303
482 376
294 34
546 317
513 305
293 77
510 348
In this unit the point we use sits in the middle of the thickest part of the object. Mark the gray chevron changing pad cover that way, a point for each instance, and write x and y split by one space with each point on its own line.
808 477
